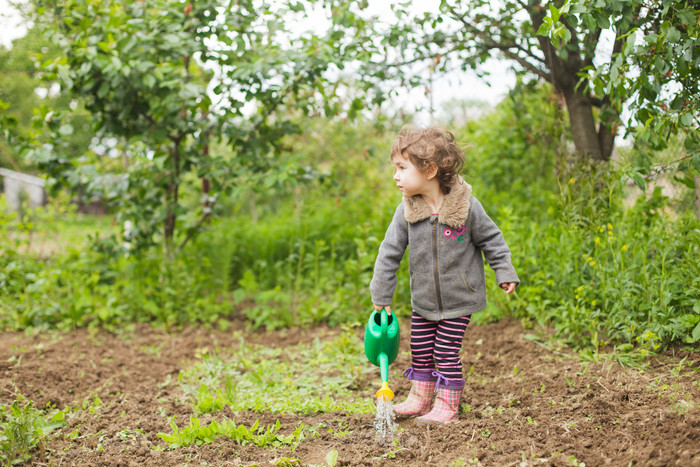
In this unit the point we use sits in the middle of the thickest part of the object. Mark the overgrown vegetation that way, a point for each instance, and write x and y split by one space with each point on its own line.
300 250
598 265
303 379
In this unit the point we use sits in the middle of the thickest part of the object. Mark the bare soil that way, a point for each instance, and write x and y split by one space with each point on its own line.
524 404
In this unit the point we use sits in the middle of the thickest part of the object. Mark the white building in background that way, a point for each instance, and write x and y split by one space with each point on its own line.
15 183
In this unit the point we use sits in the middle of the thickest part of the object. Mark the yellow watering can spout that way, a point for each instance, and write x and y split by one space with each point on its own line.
385 393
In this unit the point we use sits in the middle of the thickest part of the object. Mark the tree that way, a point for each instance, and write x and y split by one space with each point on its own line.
560 45
23 90
168 79
654 67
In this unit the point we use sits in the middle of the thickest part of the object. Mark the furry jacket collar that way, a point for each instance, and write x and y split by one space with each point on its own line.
454 210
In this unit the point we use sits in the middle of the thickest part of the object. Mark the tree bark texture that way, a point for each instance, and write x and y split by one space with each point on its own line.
595 141
697 196
172 198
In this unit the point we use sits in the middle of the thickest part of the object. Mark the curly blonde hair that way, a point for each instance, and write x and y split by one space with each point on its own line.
425 147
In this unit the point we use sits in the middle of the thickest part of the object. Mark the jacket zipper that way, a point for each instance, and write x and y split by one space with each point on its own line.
435 263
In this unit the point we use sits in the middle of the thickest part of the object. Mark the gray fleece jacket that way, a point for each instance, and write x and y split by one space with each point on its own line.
445 255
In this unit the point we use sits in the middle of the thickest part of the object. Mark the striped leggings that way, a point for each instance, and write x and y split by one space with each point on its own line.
438 343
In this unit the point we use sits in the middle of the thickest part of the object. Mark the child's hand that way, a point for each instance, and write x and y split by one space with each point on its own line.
509 286
387 308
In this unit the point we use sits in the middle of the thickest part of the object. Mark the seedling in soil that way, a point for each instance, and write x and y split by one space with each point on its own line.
286 462
569 382
332 458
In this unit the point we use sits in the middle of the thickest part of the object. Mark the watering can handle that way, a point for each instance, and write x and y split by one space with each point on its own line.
384 321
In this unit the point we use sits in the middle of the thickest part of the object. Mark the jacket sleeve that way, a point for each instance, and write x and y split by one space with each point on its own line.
391 253
489 239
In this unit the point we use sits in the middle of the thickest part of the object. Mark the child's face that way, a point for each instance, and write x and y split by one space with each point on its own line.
408 178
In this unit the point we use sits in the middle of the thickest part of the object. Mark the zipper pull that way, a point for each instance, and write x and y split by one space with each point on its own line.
435 225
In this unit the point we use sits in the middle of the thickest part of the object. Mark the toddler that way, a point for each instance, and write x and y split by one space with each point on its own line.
447 231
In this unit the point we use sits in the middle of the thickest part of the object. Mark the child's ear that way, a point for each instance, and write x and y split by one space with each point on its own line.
432 171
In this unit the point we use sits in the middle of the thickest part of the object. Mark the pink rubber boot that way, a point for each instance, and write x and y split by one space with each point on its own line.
419 399
446 407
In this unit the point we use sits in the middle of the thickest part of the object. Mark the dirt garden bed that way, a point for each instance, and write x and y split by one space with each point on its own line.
524 404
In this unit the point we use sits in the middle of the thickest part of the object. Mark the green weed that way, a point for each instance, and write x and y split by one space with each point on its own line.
303 379
264 437
22 429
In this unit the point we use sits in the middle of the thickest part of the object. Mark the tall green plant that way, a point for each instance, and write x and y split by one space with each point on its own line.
592 268
169 79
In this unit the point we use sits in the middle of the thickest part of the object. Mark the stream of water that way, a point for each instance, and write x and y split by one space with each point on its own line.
384 421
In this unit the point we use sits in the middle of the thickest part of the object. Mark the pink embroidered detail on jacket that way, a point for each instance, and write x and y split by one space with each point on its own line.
455 234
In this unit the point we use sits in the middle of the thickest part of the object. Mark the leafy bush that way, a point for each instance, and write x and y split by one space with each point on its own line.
597 271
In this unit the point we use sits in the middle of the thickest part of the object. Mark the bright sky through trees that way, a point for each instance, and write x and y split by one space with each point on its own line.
445 89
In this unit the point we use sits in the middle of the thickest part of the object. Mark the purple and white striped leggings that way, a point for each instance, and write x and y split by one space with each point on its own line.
438 343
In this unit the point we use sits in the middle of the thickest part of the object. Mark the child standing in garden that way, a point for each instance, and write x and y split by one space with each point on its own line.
447 230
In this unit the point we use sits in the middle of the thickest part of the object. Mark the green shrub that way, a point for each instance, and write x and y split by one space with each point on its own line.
594 269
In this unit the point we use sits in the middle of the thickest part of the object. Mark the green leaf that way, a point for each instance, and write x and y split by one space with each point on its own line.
686 119
554 12
638 180
629 44
602 20
695 162
673 35
332 458
65 76
149 80
687 180
686 17
696 333
544 29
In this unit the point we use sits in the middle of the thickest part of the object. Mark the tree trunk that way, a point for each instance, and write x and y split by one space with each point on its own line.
697 196
171 199
583 127
606 141
590 142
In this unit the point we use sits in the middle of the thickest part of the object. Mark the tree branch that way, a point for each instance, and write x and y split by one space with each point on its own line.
504 48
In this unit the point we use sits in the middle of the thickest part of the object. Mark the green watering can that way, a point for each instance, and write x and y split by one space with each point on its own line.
382 346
